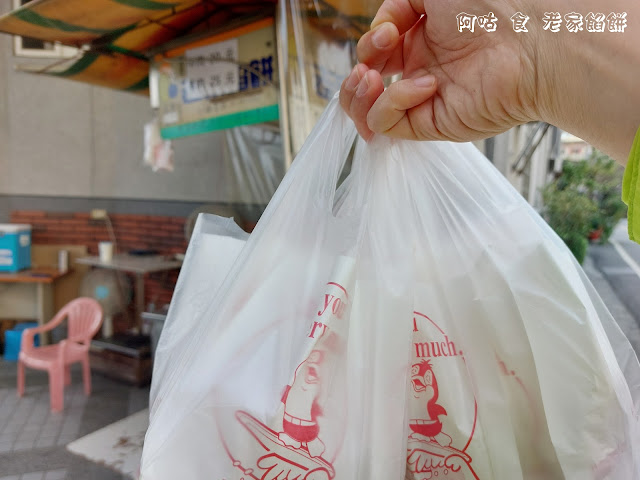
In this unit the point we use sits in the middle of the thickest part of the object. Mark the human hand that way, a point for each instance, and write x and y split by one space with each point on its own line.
455 86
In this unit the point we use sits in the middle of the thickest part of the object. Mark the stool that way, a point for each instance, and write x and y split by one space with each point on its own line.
13 340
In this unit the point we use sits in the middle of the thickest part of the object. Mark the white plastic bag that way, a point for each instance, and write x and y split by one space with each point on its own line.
215 244
424 322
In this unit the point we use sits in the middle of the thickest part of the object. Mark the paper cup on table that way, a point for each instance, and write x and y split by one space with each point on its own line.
63 260
106 251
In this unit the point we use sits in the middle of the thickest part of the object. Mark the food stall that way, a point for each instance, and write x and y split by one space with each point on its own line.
207 65
260 61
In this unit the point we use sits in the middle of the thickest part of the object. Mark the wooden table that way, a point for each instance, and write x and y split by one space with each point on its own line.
17 292
138 265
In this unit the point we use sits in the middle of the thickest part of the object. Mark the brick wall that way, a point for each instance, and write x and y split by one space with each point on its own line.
164 234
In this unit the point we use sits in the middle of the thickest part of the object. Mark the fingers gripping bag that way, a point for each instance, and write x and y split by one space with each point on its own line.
421 322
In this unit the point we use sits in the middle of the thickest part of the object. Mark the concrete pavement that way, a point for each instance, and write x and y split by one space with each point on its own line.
33 440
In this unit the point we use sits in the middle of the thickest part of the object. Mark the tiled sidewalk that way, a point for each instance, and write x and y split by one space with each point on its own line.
33 440
50 475
27 423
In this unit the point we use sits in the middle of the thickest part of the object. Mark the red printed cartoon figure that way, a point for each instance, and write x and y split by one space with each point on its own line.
425 388
299 423
296 451
287 446
439 439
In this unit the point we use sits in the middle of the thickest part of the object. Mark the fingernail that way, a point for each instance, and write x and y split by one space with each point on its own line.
382 36
353 79
363 86
424 82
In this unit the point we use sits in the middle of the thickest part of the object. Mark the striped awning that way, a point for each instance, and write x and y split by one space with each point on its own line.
115 36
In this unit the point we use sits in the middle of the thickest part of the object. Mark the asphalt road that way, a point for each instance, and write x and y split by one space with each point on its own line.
614 269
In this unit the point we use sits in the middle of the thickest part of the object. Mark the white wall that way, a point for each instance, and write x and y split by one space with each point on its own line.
63 138
4 133
508 146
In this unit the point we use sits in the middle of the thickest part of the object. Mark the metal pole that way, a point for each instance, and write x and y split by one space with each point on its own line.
282 53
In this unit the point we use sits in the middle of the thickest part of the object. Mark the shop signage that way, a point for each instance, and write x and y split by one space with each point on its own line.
220 82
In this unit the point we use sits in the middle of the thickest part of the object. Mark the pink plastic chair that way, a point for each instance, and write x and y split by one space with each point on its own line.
84 320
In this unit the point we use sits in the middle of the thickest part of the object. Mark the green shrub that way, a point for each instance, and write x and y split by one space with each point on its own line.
602 182
583 199
570 213
578 246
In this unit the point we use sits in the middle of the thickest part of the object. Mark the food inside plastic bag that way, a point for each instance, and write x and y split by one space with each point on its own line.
422 322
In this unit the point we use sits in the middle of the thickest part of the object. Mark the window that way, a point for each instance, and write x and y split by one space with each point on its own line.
32 47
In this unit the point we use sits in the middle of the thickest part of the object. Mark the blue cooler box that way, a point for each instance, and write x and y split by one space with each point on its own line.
15 247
